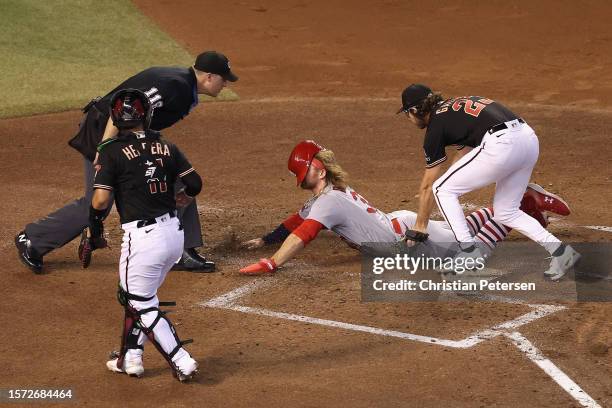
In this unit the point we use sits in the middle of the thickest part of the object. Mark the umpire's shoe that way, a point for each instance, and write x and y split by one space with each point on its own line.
27 254
194 262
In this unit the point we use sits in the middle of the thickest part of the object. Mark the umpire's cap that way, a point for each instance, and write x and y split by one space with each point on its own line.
413 96
130 108
214 62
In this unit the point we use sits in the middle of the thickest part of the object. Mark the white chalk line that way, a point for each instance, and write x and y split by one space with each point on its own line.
343 325
552 370
229 301
598 227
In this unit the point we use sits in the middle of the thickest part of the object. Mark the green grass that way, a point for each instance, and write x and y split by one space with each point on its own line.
58 54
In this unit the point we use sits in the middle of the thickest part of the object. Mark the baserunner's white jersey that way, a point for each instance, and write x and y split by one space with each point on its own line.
349 215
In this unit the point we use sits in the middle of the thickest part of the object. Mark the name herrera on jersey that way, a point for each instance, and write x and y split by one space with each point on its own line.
157 148
444 285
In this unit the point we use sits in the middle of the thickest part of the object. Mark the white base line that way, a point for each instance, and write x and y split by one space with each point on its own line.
347 326
226 300
552 370
598 227
229 300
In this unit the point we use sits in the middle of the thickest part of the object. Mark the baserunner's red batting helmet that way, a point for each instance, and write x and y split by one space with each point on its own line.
301 157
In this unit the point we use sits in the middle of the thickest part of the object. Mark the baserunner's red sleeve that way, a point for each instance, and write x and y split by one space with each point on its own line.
308 230
293 221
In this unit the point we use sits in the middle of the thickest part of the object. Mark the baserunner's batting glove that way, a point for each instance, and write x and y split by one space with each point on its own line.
415 236
264 265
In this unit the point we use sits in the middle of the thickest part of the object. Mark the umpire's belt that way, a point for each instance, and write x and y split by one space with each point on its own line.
506 125
161 219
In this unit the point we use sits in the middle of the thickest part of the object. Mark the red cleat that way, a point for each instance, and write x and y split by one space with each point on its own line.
545 201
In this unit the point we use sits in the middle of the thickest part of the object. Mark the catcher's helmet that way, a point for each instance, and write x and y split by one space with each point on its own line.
130 108
301 157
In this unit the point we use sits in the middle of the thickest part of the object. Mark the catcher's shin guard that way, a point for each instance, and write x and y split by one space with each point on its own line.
147 321
131 330
129 336
158 332
138 322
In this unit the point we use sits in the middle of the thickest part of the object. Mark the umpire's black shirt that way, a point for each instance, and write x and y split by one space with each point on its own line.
172 91
461 122
140 168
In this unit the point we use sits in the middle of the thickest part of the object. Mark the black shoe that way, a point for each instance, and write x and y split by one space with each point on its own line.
194 262
26 253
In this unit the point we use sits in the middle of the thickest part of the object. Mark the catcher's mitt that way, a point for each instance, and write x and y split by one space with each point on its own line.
87 246
415 236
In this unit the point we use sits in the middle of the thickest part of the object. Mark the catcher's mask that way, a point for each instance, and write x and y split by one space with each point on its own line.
302 157
130 108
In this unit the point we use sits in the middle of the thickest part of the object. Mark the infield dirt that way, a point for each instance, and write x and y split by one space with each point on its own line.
331 71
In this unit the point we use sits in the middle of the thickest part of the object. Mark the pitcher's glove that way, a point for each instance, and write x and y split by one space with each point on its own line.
415 236
88 245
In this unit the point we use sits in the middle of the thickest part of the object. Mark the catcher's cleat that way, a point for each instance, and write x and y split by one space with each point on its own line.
547 201
187 371
562 262
131 366
26 253
193 262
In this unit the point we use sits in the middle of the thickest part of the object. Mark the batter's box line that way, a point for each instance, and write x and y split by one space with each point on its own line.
230 299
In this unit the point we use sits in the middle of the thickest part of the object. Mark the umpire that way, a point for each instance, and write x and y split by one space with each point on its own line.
173 93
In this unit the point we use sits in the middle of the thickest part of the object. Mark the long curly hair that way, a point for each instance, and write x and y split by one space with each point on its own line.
336 175
429 104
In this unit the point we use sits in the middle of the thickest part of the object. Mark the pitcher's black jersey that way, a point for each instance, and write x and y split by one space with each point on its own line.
461 121
140 168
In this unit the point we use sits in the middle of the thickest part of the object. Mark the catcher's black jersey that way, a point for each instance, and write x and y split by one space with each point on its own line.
461 121
141 168
171 90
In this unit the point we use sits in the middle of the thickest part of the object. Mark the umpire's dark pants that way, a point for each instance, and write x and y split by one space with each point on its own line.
62 226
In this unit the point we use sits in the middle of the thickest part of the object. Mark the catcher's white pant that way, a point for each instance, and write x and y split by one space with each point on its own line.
147 254
507 158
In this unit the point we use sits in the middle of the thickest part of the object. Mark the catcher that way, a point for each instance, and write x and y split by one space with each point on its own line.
140 168
337 207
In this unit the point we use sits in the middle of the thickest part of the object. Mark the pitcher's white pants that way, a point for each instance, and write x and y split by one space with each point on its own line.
147 254
507 158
